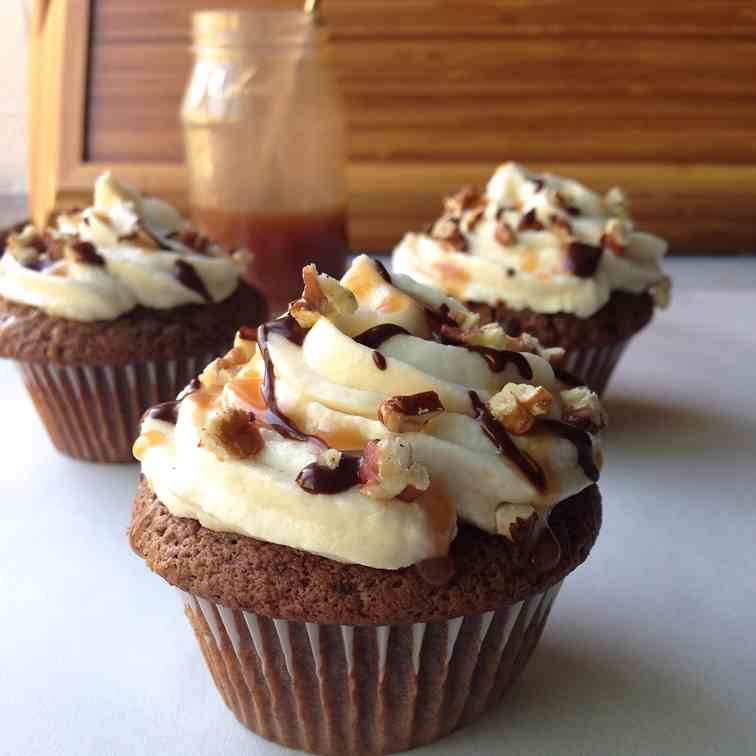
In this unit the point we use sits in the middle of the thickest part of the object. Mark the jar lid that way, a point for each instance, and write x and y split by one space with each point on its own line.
241 28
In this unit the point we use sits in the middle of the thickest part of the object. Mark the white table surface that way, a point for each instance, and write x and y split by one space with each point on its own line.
650 649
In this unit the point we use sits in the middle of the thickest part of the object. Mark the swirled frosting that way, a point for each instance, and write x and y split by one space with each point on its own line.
123 251
535 241
365 422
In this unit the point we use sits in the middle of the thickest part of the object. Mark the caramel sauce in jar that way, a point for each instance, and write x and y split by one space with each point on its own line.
282 243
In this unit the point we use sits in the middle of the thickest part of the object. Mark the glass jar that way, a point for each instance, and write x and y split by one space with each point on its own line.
265 145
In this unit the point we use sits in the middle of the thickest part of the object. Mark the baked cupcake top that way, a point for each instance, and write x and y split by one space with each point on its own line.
535 241
124 251
364 422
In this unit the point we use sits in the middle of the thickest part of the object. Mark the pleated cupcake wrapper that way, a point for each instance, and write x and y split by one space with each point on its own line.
92 412
341 689
594 365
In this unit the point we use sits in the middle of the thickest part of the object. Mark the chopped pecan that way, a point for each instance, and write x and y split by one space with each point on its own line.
466 198
504 234
472 218
25 245
410 413
388 471
582 407
223 369
233 433
322 295
616 202
615 236
517 406
446 230
562 226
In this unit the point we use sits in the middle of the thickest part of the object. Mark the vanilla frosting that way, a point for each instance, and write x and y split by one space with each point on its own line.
362 425
535 241
145 253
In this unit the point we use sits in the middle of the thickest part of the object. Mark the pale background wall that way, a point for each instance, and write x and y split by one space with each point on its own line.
12 97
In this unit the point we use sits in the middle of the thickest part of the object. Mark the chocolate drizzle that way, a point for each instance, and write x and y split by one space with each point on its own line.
376 335
273 416
581 440
496 359
385 275
495 431
186 275
379 360
86 253
319 479
583 259
566 377
530 222
167 411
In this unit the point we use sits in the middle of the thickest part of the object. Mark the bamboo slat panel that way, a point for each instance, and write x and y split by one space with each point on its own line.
658 97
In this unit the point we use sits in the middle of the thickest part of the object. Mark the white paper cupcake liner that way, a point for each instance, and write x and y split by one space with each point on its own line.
341 689
92 412
594 365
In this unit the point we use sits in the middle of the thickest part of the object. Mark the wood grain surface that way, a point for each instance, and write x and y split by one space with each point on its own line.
657 97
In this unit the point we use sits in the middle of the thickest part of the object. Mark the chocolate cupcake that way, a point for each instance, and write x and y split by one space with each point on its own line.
368 507
545 255
112 309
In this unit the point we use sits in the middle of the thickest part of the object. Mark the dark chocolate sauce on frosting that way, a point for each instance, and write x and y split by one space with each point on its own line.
319 479
566 377
379 360
167 411
86 253
385 275
503 442
185 274
274 416
581 440
496 359
376 335
583 259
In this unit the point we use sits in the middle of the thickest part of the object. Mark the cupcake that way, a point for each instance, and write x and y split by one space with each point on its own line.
546 256
112 309
368 507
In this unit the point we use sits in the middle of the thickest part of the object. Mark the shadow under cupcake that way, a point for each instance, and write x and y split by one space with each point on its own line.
113 309
368 507
545 255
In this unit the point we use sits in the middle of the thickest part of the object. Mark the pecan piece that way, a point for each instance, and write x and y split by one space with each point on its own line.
410 413
388 471
518 405
233 433
582 407
322 296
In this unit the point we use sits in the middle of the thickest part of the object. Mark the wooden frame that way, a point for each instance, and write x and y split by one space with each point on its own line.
701 207
60 175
